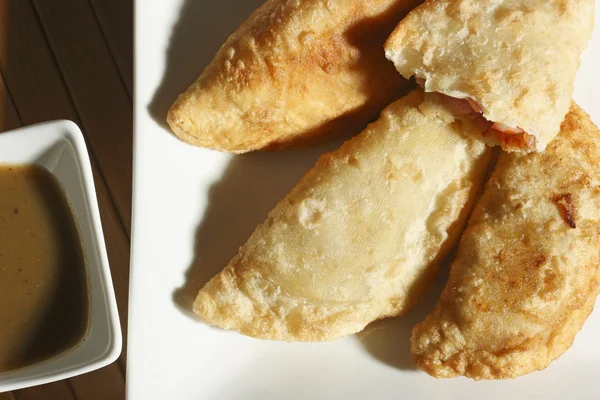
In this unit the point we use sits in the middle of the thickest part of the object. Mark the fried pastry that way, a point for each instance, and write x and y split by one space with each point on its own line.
527 271
360 236
511 63
295 73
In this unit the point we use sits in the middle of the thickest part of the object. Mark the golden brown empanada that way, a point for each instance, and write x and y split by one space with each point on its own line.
528 266
294 72
360 236
512 61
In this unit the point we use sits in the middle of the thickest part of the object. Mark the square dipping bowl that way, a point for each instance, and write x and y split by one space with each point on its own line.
59 147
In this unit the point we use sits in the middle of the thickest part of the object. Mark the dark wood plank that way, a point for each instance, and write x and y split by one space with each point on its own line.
103 384
54 391
97 91
24 65
116 21
9 118
117 248
6 395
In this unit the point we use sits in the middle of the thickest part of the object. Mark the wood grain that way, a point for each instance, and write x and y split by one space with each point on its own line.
95 86
52 391
103 384
25 62
9 118
116 20
7 395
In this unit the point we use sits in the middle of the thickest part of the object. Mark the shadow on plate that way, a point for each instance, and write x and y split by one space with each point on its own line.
388 340
195 39
250 187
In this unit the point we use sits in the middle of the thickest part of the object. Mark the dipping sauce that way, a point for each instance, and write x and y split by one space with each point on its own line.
44 306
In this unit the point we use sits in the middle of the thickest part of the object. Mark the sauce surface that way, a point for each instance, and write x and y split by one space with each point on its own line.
43 282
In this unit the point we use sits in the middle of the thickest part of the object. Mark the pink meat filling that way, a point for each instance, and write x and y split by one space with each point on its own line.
507 136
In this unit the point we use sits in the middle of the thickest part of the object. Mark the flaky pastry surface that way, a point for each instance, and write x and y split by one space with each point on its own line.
516 58
359 237
296 72
527 271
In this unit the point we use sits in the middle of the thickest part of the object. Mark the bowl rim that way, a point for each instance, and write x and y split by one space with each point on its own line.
33 375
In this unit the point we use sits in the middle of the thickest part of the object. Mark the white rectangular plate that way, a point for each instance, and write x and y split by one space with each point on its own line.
193 208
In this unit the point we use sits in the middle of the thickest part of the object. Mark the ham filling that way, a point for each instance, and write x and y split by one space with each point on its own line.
507 136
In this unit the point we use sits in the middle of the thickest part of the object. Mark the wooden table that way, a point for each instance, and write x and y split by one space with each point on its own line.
73 59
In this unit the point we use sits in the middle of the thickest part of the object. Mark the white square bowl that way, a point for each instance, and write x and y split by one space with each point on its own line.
59 147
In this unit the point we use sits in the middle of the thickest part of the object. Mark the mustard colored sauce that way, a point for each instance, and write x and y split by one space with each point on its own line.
44 305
